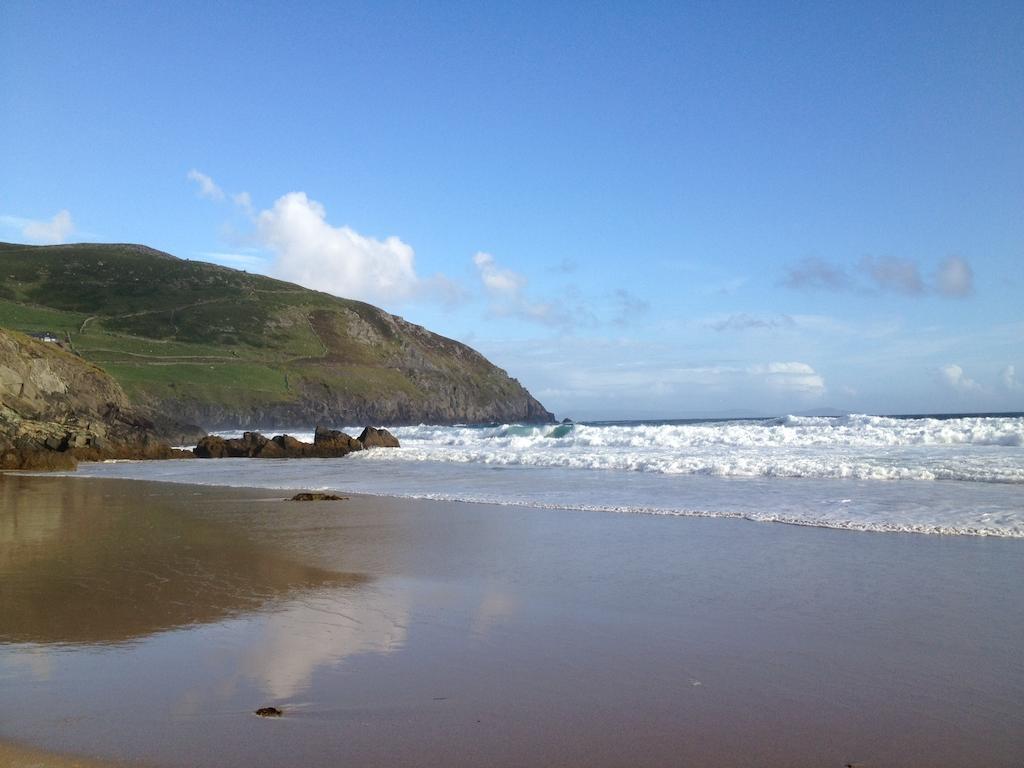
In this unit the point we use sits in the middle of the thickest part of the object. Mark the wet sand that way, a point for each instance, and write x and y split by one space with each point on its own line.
16 756
144 622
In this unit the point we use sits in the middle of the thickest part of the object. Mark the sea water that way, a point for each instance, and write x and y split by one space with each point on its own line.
959 475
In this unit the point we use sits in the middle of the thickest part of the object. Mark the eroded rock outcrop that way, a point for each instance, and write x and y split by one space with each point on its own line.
57 409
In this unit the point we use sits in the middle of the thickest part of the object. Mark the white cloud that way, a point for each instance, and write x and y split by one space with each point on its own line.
48 232
1008 377
954 277
310 251
955 377
506 291
207 187
234 259
790 377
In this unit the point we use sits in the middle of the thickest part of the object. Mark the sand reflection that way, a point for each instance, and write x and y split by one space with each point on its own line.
298 640
82 562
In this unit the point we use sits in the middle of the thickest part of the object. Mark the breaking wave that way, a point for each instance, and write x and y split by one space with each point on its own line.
970 449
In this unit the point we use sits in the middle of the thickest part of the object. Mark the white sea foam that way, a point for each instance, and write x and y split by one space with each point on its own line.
868 473
858 447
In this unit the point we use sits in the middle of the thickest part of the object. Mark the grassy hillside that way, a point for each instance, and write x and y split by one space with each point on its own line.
227 348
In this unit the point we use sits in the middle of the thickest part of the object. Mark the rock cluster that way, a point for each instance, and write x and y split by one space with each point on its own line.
327 444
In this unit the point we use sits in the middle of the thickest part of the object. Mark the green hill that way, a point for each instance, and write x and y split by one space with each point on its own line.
228 349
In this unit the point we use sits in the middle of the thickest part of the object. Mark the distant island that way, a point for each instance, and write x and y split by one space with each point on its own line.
226 349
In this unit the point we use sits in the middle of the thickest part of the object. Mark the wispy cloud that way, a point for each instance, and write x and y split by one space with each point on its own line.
1008 378
741 321
892 275
727 287
814 274
888 274
954 277
243 201
44 232
207 186
565 266
506 290
628 307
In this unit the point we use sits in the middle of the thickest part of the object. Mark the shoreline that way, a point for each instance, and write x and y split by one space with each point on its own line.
887 528
524 635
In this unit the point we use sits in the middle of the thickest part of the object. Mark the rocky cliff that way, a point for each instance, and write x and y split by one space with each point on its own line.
227 349
56 407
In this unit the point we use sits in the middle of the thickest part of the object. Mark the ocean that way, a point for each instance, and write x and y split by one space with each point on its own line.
948 475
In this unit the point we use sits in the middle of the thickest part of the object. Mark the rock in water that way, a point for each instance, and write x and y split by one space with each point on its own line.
331 442
292 447
211 447
371 437
328 444
269 712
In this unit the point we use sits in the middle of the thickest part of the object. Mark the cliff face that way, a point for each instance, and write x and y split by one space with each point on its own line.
381 370
54 406
227 349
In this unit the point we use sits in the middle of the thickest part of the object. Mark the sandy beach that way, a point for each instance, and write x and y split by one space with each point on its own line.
144 623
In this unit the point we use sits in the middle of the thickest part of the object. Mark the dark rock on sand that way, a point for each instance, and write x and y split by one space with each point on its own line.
318 496
371 437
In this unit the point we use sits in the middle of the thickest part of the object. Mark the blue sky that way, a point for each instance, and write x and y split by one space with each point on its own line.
638 210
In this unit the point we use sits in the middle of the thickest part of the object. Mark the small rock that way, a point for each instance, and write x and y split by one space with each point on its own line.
317 496
269 712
